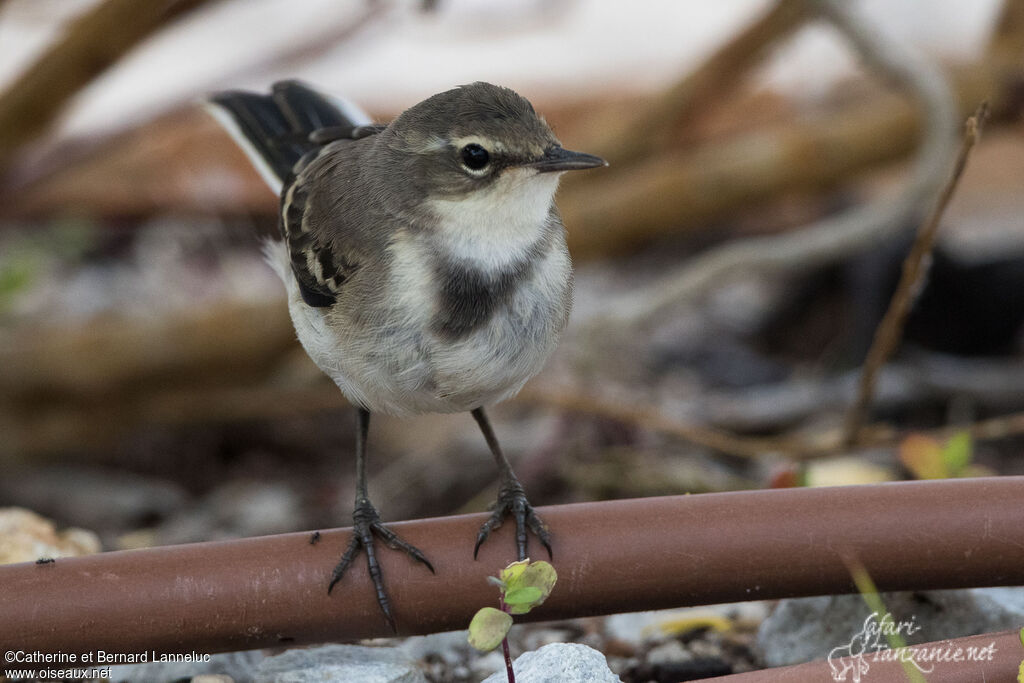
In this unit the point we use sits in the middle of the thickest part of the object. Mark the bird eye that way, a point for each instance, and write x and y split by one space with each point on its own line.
475 157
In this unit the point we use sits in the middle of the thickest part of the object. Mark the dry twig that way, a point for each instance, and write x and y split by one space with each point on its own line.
90 45
890 330
836 237
713 80
795 447
1007 44
652 418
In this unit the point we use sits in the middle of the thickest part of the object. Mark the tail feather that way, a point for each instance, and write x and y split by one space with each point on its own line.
274 129
306 109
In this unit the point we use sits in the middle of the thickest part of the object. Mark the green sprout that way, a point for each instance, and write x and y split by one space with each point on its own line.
867 589
523 586
1020 670
929 458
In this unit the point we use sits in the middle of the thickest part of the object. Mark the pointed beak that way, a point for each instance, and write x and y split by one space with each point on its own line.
559 159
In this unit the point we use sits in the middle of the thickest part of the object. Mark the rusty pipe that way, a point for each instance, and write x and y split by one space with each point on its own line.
616 556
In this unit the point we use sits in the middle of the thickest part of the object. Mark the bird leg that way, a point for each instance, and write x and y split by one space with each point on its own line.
365 523
511 499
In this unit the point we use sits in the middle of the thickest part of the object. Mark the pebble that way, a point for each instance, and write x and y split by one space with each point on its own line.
27 537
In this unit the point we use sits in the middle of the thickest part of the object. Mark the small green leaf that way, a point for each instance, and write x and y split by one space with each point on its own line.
488 628
957 452
528 586
510 574
923 456
540 575
1021 635
522 599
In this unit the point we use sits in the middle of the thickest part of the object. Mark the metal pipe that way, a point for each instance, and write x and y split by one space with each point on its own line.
616 556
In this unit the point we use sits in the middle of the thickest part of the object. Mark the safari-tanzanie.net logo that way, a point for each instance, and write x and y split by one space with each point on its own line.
852 662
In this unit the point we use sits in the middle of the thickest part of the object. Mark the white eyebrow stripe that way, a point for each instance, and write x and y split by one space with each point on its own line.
487 143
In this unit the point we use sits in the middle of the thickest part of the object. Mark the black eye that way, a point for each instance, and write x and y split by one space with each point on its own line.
475 157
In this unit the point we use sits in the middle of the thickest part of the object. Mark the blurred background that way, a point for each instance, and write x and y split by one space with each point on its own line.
770 164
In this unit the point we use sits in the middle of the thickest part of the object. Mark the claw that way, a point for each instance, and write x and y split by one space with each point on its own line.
396 542
346 560
512 502
365 523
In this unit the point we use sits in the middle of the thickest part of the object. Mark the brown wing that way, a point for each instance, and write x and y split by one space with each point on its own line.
320 267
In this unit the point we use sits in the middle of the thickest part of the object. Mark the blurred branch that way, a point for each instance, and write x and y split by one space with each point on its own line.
993 385
711 82
915 267
83 388
106 354
652 418
183 162
31 429
794 446
1007 44
329 36
92 43
834 237
179 160
688 189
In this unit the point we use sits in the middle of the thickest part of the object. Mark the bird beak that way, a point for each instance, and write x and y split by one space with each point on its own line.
559 159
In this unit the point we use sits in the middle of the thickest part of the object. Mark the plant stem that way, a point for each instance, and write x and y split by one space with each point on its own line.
508 661
504 645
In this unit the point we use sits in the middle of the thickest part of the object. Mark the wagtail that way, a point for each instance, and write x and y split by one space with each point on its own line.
425 261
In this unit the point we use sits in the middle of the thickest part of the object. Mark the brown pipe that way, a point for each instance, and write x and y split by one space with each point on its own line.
996 659
611 557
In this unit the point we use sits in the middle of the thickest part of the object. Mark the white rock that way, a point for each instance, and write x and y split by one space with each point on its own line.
669 652
482 666
452 647
232 666
560 663
340 663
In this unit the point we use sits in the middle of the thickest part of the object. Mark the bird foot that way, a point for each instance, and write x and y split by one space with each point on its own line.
512 502
365 523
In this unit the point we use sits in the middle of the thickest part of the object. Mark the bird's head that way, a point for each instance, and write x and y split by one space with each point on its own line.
481 154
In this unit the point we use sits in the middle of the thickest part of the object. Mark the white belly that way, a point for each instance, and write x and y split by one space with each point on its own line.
404 367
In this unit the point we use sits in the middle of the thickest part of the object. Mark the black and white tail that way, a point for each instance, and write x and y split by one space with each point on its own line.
274 130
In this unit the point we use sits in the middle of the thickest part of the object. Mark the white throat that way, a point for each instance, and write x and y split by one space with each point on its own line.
497 225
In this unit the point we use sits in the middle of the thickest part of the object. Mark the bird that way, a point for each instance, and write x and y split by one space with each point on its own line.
425 263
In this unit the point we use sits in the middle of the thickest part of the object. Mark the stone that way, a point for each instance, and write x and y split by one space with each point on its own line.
27 537
483 665
256 508
639 628
559 663
221 668
804 629
340 663
669 652
451 647
99 498
240 508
